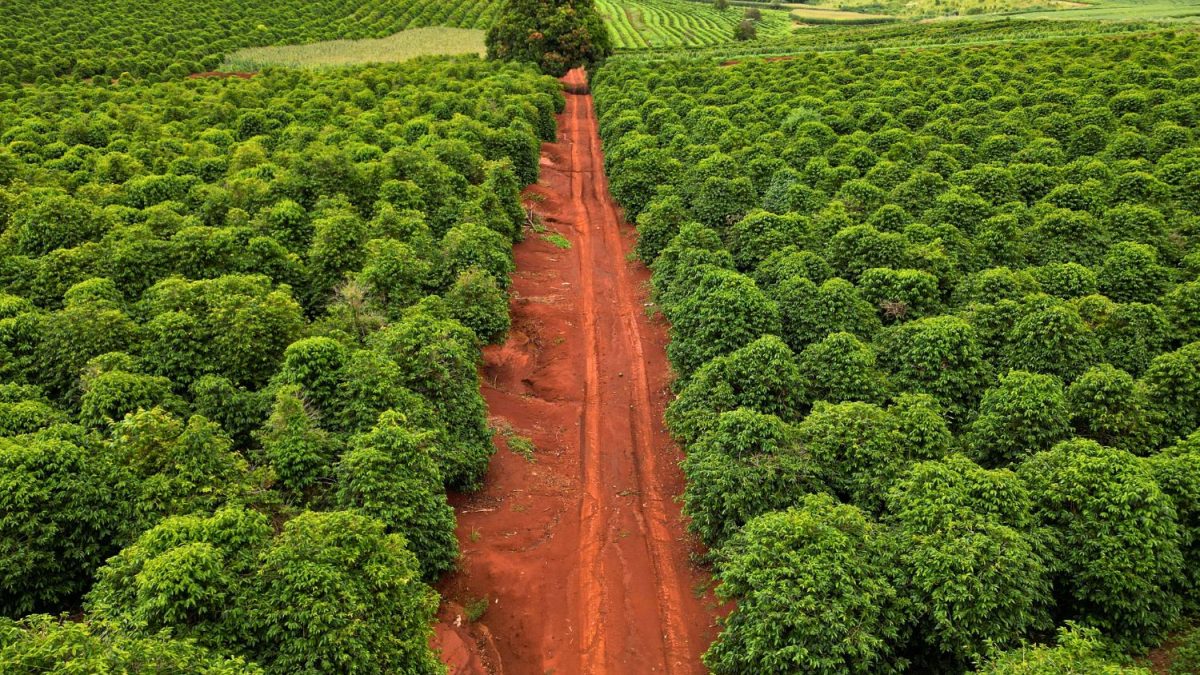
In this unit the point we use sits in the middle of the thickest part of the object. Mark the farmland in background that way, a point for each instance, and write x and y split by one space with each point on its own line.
44 39
915 9
901 35
402 46
1100 10
822 15
1123 10
915 284
680 23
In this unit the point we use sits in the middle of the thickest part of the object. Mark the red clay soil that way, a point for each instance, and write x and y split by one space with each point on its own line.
580 553
467 648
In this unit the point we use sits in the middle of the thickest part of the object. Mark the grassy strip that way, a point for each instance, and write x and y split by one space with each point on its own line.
818 15
406 44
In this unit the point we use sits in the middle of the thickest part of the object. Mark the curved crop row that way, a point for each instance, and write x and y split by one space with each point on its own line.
637 24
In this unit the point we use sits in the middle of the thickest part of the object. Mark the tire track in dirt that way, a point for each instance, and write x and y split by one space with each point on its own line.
581 556
590 585
650 517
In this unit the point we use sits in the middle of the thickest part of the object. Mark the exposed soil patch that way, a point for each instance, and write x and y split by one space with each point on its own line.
579 548
467 648
1160 658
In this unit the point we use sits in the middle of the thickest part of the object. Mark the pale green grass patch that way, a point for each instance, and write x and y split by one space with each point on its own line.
558 240
517 444
476 608
1126 10
406 44
819 15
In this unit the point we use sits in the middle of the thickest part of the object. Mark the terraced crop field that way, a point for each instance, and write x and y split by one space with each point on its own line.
1123 10
638 24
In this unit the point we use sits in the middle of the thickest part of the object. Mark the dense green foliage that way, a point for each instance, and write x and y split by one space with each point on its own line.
972 563
954 290
1186 658
43 644
1114 538
1079 650
747 464
232 304
557 35
866 38
332 593
65 509
813 593
933 320
45 39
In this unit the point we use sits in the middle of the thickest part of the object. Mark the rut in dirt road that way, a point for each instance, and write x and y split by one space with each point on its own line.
602 561
582 555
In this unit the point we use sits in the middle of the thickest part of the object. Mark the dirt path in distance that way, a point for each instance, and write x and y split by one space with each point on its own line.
580 554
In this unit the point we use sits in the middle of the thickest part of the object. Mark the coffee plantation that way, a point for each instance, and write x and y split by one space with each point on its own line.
931 307
256 299
930 292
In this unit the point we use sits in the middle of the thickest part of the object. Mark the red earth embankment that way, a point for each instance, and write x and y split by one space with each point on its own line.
581 553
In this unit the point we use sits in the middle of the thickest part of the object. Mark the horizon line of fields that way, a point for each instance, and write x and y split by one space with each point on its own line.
951 33
639 25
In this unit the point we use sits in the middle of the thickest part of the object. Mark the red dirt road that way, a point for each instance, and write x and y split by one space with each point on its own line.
581 553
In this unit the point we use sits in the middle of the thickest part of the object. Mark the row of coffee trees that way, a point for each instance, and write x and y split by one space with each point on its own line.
240 323
934 331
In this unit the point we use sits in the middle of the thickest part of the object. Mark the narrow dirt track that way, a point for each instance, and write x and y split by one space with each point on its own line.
581 553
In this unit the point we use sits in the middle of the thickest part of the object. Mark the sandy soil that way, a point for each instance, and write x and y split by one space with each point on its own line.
581 553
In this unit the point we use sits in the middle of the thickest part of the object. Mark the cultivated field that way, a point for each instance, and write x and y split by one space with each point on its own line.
43 39
899 36
681 23
821 15
1123 10
916 9
402 46
901 285
860 336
